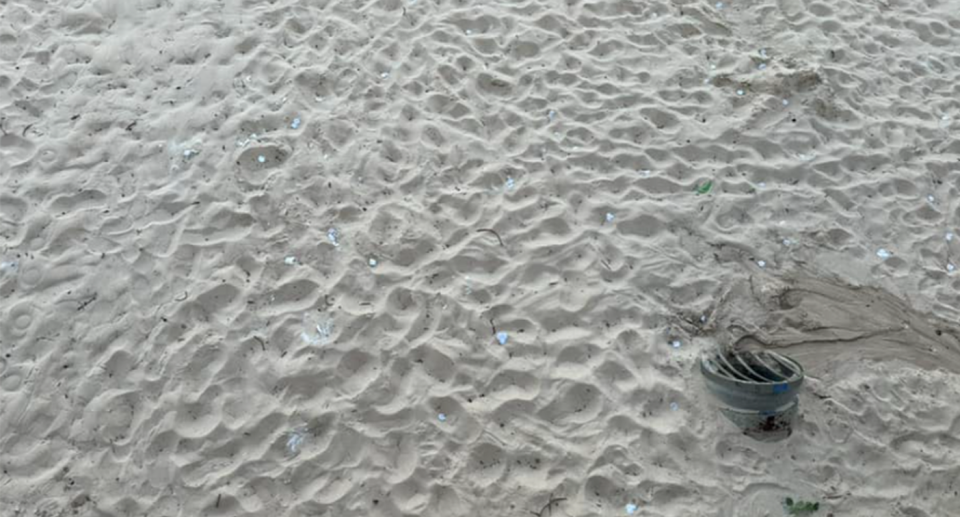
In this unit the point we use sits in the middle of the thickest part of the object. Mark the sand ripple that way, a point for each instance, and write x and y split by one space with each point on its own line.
242 272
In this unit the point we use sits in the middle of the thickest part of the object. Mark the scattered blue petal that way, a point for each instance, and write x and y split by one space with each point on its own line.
884 253
442 417
610 217
675 343
674 406
296 123
261 158
333 236
502 337
630 509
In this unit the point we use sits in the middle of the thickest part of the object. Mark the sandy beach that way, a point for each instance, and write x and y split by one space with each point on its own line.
324 258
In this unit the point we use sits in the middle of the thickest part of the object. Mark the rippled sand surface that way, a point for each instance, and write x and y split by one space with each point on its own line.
416 258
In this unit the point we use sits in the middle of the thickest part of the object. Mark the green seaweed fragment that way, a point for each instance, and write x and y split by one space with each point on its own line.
705 188
800 507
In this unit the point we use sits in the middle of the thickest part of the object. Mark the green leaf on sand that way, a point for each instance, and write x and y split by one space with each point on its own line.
704 188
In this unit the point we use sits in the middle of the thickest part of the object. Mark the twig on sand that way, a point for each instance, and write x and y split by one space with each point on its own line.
549 506
218 500
692 325
493 326
497 235
262 344
88 301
